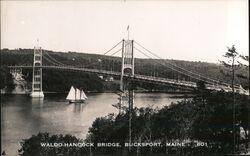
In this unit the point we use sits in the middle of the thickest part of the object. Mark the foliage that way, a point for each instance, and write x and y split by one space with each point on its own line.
62 81
6 80
234 63
33 147
204 118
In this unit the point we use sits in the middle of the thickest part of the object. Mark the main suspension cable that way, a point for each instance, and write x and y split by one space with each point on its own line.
195 74
112 48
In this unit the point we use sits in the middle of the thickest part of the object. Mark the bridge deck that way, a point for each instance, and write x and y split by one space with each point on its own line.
151 79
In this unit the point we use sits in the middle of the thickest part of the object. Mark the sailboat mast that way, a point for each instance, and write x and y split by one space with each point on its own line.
75 93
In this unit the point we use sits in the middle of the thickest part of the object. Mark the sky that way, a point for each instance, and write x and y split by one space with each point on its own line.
173 29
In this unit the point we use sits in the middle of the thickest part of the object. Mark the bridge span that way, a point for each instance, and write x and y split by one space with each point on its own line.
145 78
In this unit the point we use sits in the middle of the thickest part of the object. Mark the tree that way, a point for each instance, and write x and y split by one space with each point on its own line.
6 79
233 63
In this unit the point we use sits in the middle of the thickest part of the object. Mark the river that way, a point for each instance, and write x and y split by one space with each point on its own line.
23 116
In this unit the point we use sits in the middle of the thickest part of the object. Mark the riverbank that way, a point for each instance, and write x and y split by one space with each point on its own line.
106 91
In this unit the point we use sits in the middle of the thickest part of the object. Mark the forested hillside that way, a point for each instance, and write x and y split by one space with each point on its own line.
62 80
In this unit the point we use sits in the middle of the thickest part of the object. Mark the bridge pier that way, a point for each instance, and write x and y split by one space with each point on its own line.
37 74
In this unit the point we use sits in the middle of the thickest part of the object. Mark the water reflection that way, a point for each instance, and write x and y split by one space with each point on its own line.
78 107
37 101
37 104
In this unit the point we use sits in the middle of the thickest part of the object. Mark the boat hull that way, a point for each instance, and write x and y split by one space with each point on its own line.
76 101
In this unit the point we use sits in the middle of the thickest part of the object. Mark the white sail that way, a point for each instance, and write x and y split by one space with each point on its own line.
78 94
71 95
83 95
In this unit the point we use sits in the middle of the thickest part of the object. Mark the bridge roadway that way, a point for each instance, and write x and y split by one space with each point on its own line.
151 79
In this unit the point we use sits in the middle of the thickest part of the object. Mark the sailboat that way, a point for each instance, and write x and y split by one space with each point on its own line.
76 95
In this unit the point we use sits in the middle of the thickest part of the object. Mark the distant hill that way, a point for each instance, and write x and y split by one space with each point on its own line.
63 80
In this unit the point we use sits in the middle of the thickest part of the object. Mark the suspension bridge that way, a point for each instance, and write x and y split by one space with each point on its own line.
127 70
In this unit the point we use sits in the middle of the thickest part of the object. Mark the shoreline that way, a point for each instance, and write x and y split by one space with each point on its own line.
136 91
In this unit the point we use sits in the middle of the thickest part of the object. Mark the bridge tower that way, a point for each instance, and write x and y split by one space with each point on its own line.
127 62
37 74
127 71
